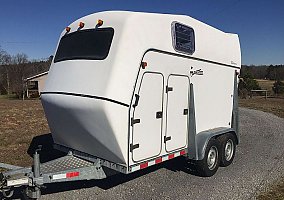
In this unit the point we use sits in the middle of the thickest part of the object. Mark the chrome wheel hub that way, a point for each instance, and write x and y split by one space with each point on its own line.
229 150
212 157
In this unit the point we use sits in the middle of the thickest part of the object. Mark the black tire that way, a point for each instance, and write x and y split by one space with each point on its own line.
228 149
208 166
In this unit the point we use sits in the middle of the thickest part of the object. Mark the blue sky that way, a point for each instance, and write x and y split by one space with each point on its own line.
33 26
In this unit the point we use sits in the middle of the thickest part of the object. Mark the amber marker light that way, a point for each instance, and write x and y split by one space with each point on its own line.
81 25
144 65
100 22
68 29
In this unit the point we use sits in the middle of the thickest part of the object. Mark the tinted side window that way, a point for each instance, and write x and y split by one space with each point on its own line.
183 38
89 44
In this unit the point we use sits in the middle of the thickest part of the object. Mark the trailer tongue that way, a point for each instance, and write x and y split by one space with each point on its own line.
68 168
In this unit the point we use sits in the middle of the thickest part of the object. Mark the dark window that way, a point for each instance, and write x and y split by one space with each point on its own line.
183 38
89 44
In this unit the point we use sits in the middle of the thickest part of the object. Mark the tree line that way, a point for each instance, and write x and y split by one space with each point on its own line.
268 72
14 69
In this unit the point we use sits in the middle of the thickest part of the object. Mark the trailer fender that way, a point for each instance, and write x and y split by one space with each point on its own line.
203 138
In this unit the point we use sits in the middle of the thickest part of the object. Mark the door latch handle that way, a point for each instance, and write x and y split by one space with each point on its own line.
133 146
169 89
185 112
167 138
134 121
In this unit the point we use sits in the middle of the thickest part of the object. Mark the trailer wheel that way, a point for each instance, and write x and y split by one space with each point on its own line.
209 165
228 149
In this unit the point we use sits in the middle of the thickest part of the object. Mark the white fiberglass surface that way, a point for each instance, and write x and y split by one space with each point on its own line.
147 133
177 112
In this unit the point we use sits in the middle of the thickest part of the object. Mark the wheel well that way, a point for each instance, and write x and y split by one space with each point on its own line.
232 132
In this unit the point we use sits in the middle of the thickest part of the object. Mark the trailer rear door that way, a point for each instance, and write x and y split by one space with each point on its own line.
147 118
177 112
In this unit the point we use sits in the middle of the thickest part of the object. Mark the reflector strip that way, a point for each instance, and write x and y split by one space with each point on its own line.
156 160
72 174
182 152
143 165
67 175
171 156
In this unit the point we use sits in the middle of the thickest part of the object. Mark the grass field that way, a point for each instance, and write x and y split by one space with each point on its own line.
23 127
272 105
20 121
266 85
275 106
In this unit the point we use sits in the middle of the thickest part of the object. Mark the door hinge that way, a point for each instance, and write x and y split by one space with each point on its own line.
134 121
167 138
133 146
169 89
185 112
159 114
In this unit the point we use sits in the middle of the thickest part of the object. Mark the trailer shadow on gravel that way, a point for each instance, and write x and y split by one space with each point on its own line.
47 152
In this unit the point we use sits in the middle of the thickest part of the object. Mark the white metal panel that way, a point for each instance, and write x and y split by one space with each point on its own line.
177 118
147 133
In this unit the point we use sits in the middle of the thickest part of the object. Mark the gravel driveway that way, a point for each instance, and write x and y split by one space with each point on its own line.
259 161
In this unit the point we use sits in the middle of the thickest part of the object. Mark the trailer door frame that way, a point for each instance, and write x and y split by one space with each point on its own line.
147 118
177 112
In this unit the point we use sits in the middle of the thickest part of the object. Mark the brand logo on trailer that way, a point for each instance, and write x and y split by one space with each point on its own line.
196 72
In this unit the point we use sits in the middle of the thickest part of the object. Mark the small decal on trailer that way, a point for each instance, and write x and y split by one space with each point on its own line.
196 72
66 175
58 176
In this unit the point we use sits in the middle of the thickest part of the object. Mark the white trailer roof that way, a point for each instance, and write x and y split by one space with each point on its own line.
146 30
134 34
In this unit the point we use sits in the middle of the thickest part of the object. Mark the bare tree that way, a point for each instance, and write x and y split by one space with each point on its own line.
17 72
5 61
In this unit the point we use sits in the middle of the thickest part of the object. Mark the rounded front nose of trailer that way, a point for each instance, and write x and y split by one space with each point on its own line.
93 126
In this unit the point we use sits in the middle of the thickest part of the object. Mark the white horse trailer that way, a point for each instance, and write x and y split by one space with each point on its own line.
128 90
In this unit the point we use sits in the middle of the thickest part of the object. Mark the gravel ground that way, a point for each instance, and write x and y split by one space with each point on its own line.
259 161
